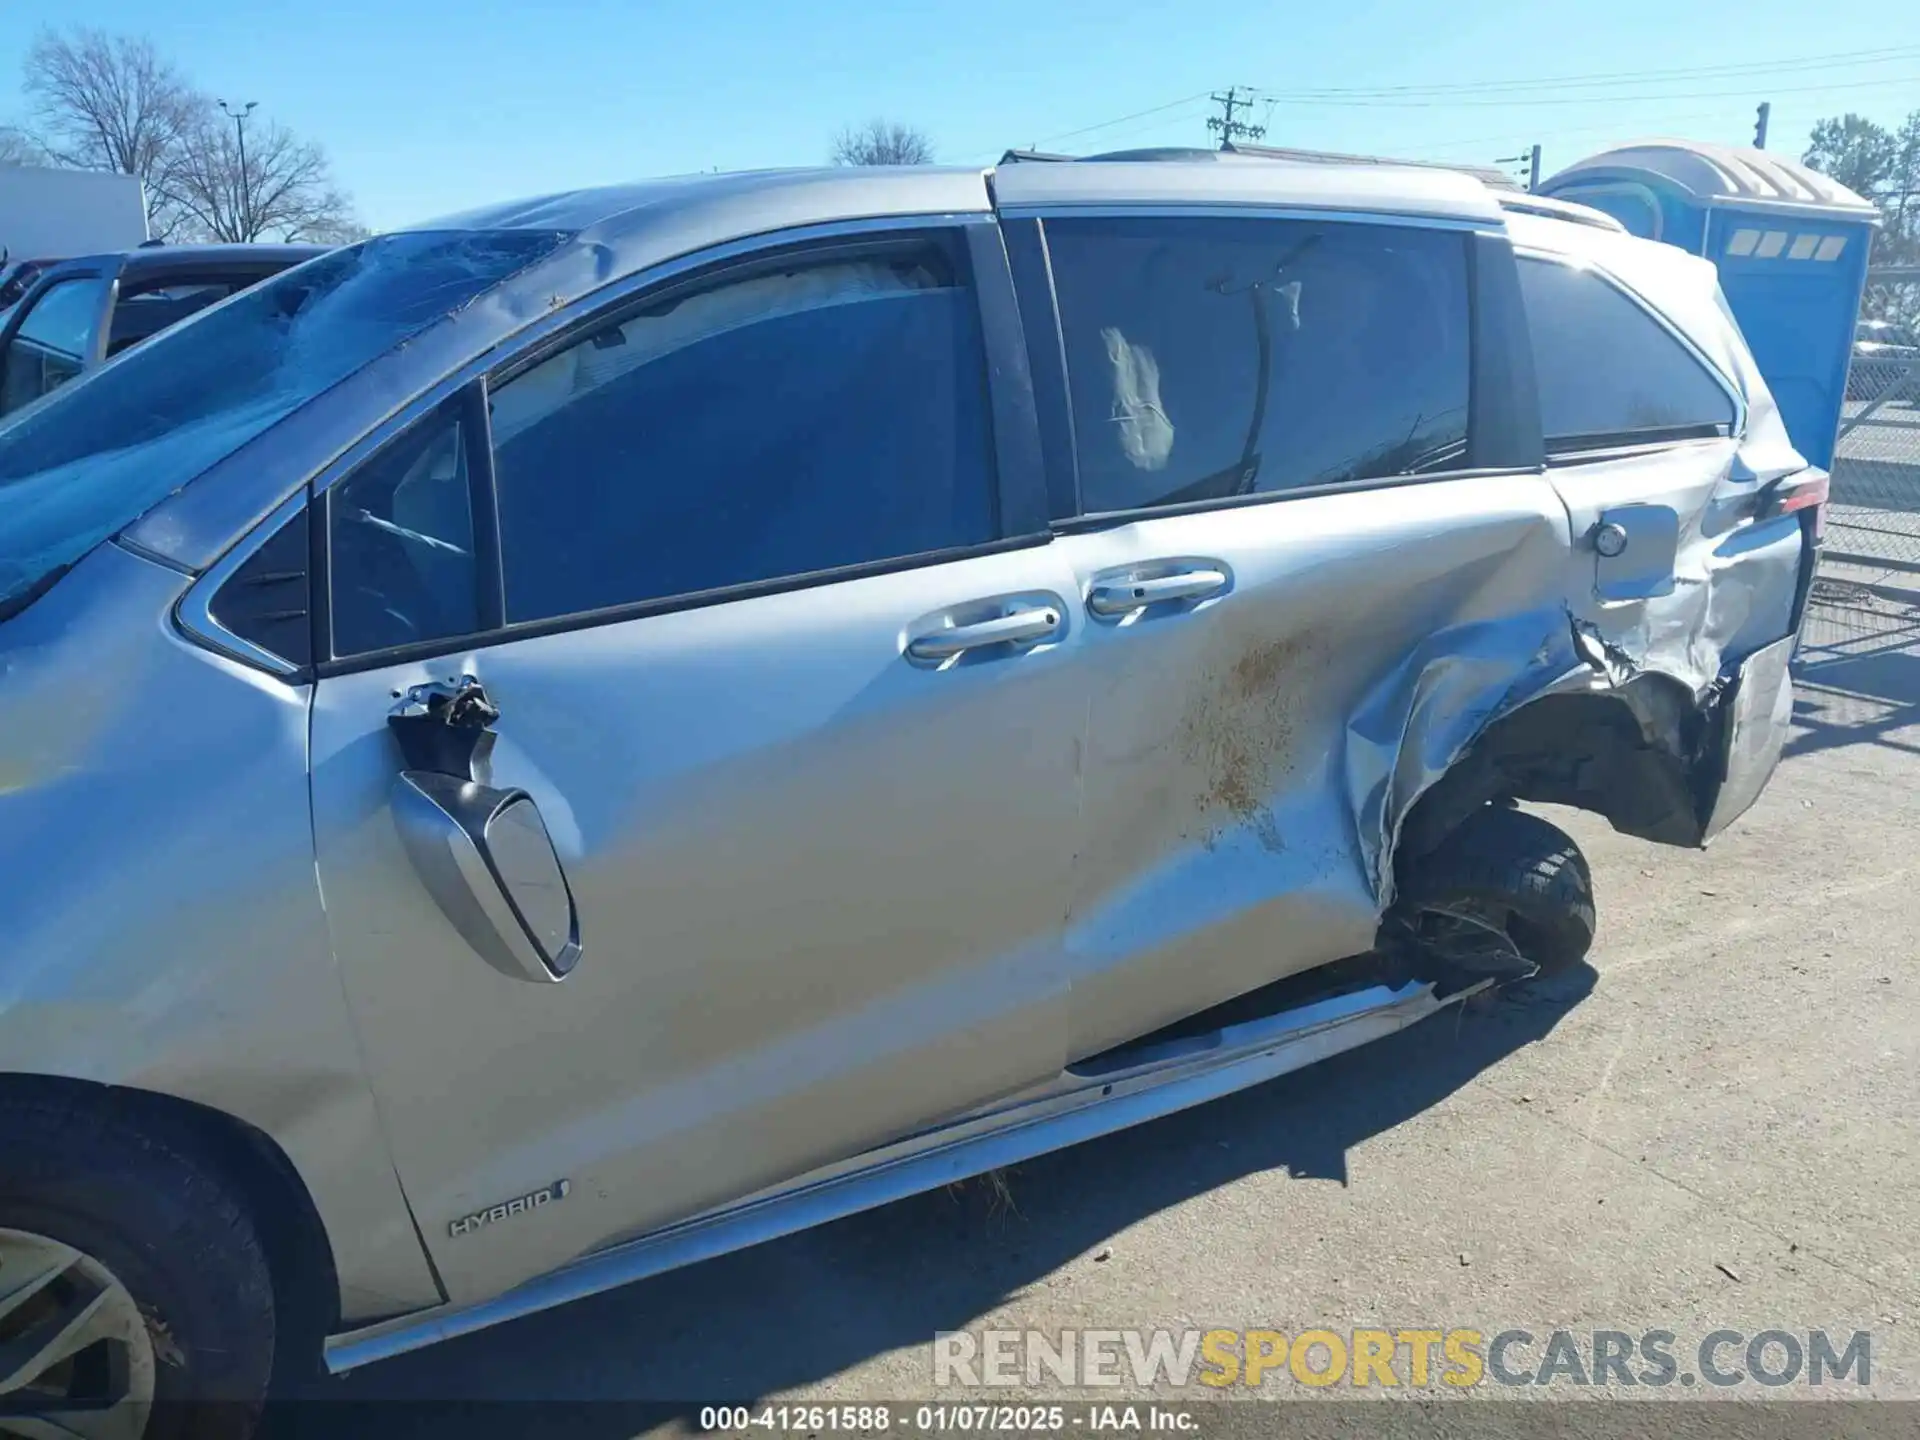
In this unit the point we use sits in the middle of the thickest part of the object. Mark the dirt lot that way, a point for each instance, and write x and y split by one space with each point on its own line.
1717 1126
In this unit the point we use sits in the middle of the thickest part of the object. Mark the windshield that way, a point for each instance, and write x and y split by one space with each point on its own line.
99 453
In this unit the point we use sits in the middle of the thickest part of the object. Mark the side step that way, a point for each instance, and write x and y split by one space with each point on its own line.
1086 1107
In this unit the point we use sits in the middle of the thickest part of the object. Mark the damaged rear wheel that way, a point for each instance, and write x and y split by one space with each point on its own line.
1504 880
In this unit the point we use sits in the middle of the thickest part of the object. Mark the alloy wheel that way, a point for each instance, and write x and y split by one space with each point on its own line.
76 1355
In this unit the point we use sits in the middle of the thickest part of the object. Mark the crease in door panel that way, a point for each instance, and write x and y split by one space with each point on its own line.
353 1025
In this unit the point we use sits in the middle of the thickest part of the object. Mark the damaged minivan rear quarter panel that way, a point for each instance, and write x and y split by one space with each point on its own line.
1247 758
1604 626
1690 568
1692 572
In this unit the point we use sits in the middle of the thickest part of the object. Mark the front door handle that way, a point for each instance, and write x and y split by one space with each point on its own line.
1121 597
1020 628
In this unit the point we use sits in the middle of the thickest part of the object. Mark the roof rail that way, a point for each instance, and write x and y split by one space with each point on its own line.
1492 178
1020 157
1488 175
1525 203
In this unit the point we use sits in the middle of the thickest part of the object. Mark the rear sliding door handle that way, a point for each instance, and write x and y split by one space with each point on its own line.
1120 597
1020 628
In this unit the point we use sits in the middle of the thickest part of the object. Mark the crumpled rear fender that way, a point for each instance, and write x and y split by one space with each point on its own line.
1660 760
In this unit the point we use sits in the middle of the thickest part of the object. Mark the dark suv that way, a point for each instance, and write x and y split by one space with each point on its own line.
80 313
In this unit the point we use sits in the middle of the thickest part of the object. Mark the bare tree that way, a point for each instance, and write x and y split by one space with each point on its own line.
882 142
344 231
241 182
17 147
109 102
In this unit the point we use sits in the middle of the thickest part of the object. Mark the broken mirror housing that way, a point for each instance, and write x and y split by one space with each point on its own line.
483 854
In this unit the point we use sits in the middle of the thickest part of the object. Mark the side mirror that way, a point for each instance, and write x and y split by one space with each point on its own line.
487 860
483 854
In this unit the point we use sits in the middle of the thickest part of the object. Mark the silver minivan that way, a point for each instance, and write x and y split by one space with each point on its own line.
558 744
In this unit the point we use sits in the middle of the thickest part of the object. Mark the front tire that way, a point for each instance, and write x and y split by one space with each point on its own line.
135 1295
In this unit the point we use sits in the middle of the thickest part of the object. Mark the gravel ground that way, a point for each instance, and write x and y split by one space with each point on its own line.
1717 1126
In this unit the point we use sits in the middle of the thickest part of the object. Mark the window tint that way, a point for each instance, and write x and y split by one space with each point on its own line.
401 553
139 314
265 600
821 415
1209 358
1609 373
136 430
52 343
14 281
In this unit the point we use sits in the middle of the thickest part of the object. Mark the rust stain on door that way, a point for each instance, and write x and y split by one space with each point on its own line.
1238 734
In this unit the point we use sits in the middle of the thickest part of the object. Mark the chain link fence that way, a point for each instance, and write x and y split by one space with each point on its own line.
1875 515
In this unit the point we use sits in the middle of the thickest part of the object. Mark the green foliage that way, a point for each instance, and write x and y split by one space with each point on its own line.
1854 151
1884 166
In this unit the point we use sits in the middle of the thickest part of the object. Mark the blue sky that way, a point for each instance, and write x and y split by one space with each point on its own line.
430 106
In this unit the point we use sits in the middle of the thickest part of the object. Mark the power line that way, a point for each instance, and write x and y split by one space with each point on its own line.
1157 124
1382 95
1612 126
1812 62
1122 119
1521 101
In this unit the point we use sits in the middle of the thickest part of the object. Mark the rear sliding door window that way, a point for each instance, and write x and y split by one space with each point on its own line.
1609 373
1210 358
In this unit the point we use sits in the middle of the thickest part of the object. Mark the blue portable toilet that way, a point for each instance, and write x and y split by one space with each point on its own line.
1790 243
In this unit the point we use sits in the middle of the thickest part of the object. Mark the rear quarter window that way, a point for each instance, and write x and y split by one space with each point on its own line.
1610 374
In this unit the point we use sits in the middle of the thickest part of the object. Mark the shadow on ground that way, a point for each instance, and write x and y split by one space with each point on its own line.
1857 672
798 1310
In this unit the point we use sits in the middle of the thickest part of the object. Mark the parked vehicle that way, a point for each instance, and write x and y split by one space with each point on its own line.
1886 363
15 277
797 688
80 313
1883 339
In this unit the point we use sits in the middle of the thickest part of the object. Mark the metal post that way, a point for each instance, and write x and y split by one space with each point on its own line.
1229 128
1529 157
245 199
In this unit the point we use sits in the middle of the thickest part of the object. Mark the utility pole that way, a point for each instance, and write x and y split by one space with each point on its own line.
1529 158
1225 126
244 205
1760 118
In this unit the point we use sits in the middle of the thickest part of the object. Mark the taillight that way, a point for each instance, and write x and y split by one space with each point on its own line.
1804 490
